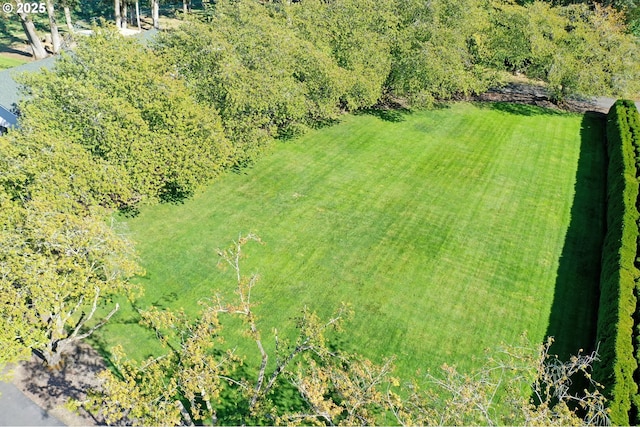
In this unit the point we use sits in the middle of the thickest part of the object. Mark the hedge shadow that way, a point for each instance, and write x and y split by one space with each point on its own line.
573 317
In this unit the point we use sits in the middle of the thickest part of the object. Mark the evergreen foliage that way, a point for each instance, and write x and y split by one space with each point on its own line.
618 298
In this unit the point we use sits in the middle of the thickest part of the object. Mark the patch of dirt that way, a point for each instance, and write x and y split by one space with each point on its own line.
523 93
51 389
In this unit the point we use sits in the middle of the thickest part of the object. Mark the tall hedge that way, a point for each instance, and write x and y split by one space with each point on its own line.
634 127
618 301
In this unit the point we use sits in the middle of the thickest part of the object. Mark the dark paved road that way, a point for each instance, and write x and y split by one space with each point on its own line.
16 409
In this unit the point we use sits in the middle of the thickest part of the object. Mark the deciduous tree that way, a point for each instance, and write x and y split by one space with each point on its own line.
117 13
60 263
37 48
576 49
358 35
434 54
517 385
53 25
66 6
125 107
198 369
155 13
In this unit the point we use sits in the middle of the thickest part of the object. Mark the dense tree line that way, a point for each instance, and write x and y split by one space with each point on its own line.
274 69
630 9
359 53
118 124
105 130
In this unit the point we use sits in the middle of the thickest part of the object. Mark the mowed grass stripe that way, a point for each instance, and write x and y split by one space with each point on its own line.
443 231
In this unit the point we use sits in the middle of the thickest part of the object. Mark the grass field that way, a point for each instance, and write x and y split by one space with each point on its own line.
448 231
10 62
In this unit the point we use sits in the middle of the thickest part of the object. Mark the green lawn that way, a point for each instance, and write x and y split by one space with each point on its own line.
10 62
444 229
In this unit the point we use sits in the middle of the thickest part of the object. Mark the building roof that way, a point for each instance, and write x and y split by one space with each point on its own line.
9 89
7 118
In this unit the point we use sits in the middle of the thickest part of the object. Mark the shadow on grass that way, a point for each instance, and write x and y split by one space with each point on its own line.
11 31
25 56
519 109
573 317
233 407
323 123
129 211
174 193
388 115
131 318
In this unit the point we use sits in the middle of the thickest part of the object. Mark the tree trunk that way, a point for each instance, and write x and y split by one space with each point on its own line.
138 15
55 35
34 41
207 402
53 355
155 14
185 414
67 17
124 14
116 6
186 6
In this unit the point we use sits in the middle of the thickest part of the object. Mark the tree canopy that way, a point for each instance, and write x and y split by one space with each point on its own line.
119 101
60 261
362 52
